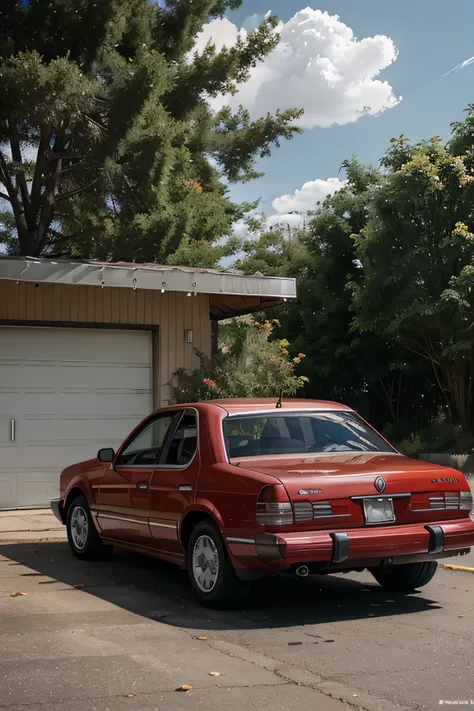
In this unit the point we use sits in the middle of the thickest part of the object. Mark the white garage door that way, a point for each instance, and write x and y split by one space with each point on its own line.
64 393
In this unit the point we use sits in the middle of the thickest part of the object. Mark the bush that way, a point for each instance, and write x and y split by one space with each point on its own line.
442 437
248 363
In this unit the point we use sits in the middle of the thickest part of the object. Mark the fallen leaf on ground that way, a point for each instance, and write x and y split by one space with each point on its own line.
460 617
131 695
184 687
202 639
79 585
214 673
18 594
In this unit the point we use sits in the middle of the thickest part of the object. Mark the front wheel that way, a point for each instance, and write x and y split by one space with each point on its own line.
405 578
210 569
82 534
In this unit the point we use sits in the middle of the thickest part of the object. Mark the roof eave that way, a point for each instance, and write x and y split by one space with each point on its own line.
174 279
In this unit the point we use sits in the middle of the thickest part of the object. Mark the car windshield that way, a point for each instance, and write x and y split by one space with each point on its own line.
299 433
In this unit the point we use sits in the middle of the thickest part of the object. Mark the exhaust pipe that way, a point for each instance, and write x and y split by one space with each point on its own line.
302 571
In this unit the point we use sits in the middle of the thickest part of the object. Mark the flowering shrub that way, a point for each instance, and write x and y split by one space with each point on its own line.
248 363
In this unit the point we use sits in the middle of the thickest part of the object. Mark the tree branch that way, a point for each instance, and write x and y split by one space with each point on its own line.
17 207
5 197
37 178
18 158
71 193
48 198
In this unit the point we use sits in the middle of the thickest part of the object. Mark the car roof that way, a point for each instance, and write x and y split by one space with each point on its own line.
244 406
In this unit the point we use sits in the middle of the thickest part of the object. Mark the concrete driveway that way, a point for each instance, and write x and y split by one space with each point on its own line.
124 635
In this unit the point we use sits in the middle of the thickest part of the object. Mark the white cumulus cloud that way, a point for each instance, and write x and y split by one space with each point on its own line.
291 209
318 66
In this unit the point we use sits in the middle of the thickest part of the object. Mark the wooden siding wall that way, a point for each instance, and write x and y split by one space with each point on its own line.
172 313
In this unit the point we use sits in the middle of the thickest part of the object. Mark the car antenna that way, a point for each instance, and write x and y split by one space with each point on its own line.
279 404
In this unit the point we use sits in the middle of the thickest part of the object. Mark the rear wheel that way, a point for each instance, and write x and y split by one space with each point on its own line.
405 578
210 569
82 534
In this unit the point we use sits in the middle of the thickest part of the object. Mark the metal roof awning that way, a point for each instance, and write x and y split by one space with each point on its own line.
231 293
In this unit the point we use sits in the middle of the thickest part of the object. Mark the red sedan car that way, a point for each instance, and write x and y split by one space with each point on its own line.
235 490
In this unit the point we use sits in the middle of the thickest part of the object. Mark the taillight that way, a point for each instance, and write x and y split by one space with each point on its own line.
274 507
449 500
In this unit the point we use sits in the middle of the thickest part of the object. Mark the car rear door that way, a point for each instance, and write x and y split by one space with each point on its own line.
173 484
123 498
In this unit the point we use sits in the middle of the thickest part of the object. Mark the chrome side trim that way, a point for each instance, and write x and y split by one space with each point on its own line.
231 539
122 518
381 496
163 525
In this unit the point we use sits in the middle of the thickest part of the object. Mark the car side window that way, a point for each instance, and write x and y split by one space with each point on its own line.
183 445
146 447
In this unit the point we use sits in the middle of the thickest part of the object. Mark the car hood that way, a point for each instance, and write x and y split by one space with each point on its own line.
351 474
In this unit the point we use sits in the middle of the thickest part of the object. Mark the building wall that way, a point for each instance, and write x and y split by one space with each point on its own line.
169 315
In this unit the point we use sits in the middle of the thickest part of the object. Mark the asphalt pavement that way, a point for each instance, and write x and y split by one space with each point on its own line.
124 634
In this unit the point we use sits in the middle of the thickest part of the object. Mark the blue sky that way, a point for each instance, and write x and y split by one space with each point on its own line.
431 37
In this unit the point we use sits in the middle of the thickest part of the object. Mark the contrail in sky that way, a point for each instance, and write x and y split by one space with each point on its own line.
466 63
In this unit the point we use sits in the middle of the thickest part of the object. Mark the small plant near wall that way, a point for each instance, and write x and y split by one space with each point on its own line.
250 362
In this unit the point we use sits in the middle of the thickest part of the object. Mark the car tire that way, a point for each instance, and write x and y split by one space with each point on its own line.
405 578
217 585
82 534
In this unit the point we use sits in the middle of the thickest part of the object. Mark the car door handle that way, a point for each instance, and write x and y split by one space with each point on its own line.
142 485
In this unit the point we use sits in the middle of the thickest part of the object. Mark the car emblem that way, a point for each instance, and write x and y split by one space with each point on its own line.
446 480
305 492
380 484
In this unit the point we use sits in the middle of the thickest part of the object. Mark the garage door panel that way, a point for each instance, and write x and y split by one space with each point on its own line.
59 377
7 491
52 344
36 487
50 457
96 405
70 430
70 392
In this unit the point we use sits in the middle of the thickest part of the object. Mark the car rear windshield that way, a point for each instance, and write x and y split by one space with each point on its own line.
298 433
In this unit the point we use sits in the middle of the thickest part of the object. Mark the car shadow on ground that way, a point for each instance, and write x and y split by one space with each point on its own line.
160 591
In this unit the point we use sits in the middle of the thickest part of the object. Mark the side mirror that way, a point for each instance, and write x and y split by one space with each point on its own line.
106 455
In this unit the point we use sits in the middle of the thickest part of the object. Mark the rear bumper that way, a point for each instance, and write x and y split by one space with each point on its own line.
57 509
360 547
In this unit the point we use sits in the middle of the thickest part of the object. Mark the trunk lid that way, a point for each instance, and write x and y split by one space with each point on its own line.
339 477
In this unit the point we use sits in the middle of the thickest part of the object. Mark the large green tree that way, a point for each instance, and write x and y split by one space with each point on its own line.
106 133
416 251
364 369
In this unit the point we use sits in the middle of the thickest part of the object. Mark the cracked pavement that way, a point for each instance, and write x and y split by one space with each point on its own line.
123 634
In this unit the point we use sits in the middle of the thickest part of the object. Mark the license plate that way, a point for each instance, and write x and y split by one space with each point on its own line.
379 511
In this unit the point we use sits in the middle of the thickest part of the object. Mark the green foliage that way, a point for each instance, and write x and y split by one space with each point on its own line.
440 438
382 380
416 251
113 102
248 363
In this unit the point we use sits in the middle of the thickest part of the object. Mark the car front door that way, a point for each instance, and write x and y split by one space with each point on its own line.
173 484
123 498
